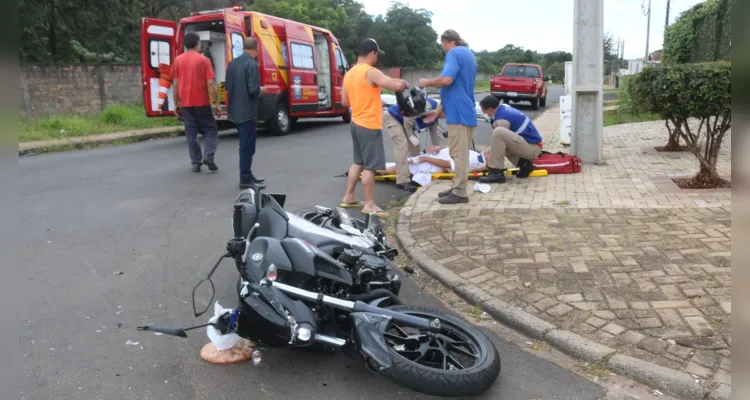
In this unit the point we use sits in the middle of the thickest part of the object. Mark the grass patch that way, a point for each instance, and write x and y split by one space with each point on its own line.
611 89
482 86
540 345
617 117
114 118
598 369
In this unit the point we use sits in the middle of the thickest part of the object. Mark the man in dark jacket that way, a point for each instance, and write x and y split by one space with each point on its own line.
244 91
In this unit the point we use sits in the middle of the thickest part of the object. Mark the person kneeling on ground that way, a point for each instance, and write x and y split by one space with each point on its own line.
405 143
514 137
437 160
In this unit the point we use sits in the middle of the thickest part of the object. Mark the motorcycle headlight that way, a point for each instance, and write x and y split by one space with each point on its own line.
304 332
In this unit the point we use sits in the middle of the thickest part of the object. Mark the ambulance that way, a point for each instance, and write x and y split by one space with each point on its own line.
301 66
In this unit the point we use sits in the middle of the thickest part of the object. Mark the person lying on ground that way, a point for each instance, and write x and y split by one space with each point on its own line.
514 137
437 160
405 143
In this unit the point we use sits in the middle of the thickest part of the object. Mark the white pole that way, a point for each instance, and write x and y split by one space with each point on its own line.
587 131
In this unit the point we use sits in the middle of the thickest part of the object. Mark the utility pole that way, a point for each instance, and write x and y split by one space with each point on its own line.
666 20
587 132
648 31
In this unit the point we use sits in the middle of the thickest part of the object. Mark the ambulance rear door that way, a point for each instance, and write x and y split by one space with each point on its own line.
157 56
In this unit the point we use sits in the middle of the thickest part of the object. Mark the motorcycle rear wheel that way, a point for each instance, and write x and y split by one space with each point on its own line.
441 365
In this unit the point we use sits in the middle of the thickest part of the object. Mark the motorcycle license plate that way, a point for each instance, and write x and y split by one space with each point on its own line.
512 94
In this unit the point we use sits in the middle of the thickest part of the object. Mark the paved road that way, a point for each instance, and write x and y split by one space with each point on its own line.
139 209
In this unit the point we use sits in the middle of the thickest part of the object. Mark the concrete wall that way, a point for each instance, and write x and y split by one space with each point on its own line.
51 89
412 75
54 89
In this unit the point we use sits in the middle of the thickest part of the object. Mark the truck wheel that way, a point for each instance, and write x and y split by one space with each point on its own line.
280 122
543 102
535 104
347 117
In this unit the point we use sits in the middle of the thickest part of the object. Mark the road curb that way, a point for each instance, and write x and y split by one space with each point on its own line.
25 148
673 382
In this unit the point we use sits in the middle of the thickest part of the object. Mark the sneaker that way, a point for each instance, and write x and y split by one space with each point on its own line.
525 168
495 176
452 198
445 192
244 186
196 168
409 187
259 180
211 165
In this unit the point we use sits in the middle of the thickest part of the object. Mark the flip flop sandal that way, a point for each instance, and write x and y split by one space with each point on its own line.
379 213
350 205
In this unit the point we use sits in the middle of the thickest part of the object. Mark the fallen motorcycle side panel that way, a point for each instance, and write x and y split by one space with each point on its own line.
369 329
302 226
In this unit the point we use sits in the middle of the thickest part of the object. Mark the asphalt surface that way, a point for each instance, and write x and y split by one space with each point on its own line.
117 237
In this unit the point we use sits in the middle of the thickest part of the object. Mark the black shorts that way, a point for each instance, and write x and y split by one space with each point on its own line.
369 151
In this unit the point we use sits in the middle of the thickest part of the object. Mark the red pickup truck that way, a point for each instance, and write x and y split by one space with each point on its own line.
521 82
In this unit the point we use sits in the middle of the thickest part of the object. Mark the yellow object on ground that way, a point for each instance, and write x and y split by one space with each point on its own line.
473 175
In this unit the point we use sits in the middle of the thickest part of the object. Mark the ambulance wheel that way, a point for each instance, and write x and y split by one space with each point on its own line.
281 123
543 101
534 104
347 117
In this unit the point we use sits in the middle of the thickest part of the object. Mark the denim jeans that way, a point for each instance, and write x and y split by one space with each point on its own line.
247 133
200 120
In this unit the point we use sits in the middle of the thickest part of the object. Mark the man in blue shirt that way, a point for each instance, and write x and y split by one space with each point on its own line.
401 131
245 91
456 83
514 137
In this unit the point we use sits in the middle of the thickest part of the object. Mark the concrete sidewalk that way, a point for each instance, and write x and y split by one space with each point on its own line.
615 265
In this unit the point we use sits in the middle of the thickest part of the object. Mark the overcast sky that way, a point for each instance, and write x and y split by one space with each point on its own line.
542 25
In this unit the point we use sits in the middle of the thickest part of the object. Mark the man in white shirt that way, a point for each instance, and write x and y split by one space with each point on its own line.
438 160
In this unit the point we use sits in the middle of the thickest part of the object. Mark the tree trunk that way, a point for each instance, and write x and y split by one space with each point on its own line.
673 144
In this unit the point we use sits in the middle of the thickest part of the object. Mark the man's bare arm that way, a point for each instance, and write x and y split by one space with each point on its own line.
213 91
344 97
439 82
175 84
377 77
436 162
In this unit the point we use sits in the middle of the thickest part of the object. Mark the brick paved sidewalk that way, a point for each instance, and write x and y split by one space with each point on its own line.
617 254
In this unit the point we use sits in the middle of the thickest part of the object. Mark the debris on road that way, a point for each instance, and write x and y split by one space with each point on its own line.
131 343
118 273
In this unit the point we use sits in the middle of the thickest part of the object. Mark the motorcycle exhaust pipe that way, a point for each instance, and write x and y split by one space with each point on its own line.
416 322
334 341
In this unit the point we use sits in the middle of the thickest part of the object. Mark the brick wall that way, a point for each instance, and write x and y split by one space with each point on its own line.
52 89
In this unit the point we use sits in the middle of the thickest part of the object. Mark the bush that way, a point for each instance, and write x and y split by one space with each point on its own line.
115 115
682 92
700 34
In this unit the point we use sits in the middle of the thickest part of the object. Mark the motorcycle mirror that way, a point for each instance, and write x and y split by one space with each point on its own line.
203 295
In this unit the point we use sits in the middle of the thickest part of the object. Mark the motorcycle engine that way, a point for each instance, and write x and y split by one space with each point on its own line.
366 269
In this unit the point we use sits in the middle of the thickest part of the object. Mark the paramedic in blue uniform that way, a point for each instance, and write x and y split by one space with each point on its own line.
514 137
401 131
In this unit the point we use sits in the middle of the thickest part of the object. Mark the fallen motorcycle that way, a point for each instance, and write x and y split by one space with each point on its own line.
290 296
363 249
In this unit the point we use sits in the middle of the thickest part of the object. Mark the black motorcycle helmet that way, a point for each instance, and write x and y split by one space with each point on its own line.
411 102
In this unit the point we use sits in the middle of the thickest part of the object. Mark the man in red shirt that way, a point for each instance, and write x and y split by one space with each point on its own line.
195 88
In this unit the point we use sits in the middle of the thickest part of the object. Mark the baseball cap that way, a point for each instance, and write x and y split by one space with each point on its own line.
367 46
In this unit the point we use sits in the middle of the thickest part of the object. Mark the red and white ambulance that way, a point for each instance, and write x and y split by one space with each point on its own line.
301 66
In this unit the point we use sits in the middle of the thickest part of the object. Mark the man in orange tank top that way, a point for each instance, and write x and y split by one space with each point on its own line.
361 92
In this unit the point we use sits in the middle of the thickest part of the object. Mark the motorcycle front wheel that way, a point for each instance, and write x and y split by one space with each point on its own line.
460 361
